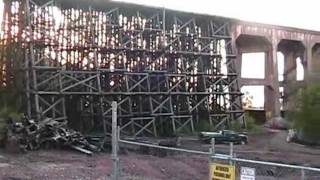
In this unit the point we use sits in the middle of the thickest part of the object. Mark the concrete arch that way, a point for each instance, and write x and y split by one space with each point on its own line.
316 58
292 50
252 44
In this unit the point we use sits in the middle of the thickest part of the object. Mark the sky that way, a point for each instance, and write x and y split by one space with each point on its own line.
255 60
1 11
294 13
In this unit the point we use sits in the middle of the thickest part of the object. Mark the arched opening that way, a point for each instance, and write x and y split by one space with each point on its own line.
253 97
290 52
280 58
315 61
281 98
290 70
299 69
253 65
254 54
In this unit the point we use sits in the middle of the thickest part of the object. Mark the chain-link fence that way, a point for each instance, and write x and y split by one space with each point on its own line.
243 169
264 170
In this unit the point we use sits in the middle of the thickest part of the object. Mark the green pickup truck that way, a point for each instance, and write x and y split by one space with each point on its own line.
224 136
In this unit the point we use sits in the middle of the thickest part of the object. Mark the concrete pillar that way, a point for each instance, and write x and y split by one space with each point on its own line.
307 59
237 52
312 56
290 74
316 58
272 95
239 64
290 68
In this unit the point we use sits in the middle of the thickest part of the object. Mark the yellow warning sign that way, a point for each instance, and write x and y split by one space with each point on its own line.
222 172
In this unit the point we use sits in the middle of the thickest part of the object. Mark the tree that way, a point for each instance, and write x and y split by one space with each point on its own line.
247 100
306 114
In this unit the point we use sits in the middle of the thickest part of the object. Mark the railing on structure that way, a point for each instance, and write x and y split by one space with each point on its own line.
260 170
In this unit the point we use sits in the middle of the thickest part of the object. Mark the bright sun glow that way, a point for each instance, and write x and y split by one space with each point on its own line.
1 12
253 65
254 94
280 59
300 70
293 13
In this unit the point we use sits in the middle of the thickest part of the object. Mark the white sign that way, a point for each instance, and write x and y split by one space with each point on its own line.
247 173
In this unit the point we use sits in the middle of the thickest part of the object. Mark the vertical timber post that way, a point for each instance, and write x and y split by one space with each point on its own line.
26 63
114 156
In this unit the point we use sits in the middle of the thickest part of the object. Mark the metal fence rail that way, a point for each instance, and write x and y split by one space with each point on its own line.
164 147
264 170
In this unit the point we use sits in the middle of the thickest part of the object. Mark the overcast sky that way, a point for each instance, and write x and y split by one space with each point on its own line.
294 13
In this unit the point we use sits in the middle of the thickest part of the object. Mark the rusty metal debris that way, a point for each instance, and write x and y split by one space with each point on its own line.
32 135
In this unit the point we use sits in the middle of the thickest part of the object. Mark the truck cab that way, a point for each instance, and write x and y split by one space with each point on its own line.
224 136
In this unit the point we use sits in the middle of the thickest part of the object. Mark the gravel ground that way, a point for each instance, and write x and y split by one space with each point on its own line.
58 164
68 164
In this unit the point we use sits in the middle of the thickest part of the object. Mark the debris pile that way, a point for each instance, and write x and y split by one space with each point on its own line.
32 135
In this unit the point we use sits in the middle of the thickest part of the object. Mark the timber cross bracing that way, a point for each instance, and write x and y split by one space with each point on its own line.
168 71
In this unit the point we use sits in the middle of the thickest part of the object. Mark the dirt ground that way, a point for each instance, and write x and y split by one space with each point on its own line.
58 164
269 145
68 164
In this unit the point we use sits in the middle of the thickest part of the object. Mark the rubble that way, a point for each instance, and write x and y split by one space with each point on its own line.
32 135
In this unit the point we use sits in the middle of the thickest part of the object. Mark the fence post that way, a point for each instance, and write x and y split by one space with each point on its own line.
114 156
211 153
303 174
213 141
118 137
231 153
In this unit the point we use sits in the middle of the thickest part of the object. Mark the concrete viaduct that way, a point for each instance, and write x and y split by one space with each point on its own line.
251 37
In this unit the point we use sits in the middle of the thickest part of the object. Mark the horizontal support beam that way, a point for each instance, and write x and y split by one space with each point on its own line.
254 82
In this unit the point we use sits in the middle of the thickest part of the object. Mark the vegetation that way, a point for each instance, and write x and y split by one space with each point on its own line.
306 114
251 125
11 88
8 109
204 125
247 100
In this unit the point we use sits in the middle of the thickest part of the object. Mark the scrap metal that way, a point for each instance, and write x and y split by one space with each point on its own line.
32 135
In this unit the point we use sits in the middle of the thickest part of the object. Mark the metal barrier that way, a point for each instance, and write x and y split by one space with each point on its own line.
264 170
222 166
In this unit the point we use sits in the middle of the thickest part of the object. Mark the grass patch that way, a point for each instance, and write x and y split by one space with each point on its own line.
251 125
204 125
